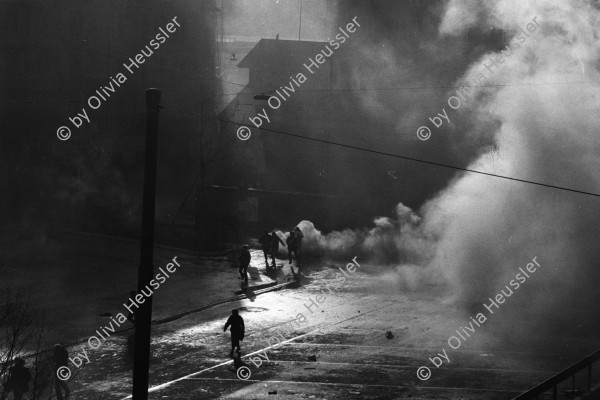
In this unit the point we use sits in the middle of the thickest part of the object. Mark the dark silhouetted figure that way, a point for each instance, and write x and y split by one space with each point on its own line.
244 263
61 359
299 236
265 240
18 379
275 246
292 246
237 331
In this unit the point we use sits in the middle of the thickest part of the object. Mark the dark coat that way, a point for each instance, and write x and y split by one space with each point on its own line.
275 241
61 357
292 244
265 240
19 378
237 325
245 257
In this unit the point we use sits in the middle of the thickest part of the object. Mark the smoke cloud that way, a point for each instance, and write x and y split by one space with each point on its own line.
540 111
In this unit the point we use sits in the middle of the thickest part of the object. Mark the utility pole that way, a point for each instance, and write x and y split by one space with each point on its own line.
143 316
300 24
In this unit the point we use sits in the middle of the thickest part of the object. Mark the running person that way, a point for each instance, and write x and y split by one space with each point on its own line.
237 331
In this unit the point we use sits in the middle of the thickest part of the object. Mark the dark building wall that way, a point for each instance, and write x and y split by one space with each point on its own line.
275 161
284 163
231 213
55 55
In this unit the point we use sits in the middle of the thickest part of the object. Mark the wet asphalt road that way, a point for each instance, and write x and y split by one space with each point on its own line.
338 348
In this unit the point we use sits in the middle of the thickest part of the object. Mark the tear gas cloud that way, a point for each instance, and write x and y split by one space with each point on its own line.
541 113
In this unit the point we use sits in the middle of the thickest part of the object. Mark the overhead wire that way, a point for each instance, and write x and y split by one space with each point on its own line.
434 163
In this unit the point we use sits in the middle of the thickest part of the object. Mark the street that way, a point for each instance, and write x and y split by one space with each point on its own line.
346 333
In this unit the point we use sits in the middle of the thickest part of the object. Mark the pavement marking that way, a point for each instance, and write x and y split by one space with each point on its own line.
193 375
359 385
274 286
163 385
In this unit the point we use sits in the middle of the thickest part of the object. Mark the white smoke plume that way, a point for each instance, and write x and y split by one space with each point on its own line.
476 233
546 133
395 240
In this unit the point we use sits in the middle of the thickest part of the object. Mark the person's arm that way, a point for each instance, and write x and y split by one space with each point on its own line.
280 241
227 324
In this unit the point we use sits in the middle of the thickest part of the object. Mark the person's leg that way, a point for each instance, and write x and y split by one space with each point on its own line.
232 346
273 251
299 253
266 256
246 273
241 271
291 266
65 388
58 388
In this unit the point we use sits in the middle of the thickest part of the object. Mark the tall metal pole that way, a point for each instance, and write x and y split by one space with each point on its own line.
143 316
300 24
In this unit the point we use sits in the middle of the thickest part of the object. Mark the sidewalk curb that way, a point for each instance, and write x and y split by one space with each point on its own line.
270 288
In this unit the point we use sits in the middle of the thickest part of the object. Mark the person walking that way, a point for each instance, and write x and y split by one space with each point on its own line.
298 236
18 380
244 263
292 246
61 359
265 240
237 331
275 240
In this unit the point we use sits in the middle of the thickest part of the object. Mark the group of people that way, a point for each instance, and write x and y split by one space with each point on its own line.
270 244
19 376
